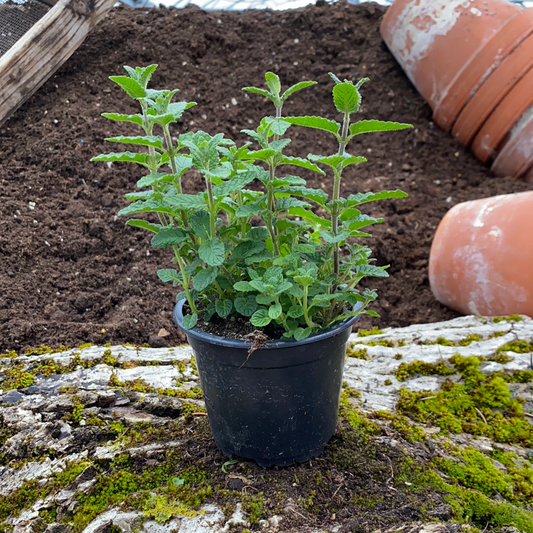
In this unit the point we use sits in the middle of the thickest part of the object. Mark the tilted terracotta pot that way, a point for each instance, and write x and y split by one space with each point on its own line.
503 118
481 258
495 88
516 156
435 42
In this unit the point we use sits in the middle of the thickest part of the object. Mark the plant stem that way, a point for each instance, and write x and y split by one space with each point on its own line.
211 200
308 321
185 282
170 150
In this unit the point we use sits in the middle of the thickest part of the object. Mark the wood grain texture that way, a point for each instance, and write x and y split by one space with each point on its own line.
44 48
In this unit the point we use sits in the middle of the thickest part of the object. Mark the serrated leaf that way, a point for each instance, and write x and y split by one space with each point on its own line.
260 155
330 238
310 217
204 278
295 311
186 201
148 206
168 274
372 271
303 163
279 126
368 126
182 163
144 224
274 311
337 160
300 334
260 318
245 305
128 157
346 97
251 209
122 117
236 183
212 252
273 83
201 223
304 281
362 221
256 90
168 236
243 286
223 308
266 255
288 180
296 87
260 286
246 249
305 248
148 140
141 195
189 321
151 179
254 135
362 198
258 233
287 202
318 123
131 87
316 195
263 299
279 146
284 286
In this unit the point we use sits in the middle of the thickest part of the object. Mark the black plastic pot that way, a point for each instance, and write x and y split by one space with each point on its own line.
277 406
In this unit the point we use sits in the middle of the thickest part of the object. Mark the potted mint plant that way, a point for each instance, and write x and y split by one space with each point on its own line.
268 267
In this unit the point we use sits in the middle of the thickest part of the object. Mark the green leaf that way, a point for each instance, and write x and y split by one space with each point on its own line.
310 217
186 201
168 274
149 140
274 311
315 195
296 161
212 252
300 334
263 299
260 318
279 126
367 126
151 179
371 270
330 238
140 195
259 233
236 183
243 286
288 180
204 278
246 249
129 157
287 202
305 248
260 286
148 206
189 321
256 90
260 155
295 311
282 287
266 255
168 236
245 305
361 221
121 117
318 123
144 224
296 87
130 86
337 160
346 97
223 308
182 162
279 146
362 198
201 223
273 83
304 281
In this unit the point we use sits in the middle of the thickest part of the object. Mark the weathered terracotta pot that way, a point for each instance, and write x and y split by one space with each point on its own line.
481 257
516 156
517 101
495 87
436 41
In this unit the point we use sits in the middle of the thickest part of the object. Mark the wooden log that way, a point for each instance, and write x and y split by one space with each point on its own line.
44 48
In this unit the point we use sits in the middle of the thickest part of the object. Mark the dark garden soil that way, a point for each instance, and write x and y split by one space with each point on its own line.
71 272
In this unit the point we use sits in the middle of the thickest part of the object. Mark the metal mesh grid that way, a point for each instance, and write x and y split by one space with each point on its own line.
16 18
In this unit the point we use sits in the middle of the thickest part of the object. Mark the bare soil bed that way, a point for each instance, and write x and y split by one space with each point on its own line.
71 272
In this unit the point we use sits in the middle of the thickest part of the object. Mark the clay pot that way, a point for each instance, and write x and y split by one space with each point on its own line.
481 257
437 43
496 86
483 67
518 100
516 156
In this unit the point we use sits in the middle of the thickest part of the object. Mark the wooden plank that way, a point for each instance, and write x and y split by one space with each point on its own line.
44 48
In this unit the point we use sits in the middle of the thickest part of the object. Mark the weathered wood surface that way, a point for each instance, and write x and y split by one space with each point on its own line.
44 48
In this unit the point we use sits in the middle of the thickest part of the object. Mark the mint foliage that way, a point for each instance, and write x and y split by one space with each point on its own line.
286 257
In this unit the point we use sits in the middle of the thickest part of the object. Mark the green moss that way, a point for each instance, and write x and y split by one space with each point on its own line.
385 343
470 339
86 345
253 506
9 355
17 378
161 509
409 431
501 358
41 350
398 356
406 370
368 332
366 502
510 318
77 410
354 417
387 382
68 389
357 353
441 341
517 347
194 393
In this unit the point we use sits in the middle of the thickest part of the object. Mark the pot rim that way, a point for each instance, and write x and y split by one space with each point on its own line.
198 334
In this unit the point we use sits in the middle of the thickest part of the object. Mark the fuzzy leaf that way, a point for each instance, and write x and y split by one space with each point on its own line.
245 305
148 206
212 252
246 249
204 278
318 123
329 238
284 286
279 126
367 126
182 162
336 160
129 157
296 87
168 274
236 183
300 334
295 311
362 198
201 223
256 90
287 202
263 299
148 140
346 98
168 236
260 318
223 308
121 117
151 179
189 321
288 160
310 217
186 201
144 224
243 286
273 83
371 270
131 87
274 311
316 195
